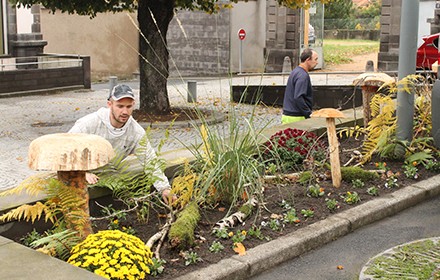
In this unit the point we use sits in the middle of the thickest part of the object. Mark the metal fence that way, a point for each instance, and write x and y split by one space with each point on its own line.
40 62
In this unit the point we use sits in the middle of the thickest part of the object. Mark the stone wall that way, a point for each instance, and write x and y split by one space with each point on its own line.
282 36
199 43
388 57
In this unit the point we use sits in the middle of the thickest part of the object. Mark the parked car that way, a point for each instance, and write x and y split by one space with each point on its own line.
428 52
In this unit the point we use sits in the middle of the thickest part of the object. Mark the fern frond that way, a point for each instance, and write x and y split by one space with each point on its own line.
25 212
58 244
349 132
33 185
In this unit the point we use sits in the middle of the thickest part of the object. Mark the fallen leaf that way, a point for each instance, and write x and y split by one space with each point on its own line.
239 249
276 216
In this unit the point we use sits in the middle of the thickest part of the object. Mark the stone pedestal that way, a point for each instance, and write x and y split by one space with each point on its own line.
27 46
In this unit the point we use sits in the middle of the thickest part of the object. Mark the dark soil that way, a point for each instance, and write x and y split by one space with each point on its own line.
274 193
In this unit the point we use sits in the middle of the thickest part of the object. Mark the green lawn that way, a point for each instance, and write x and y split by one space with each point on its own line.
341 51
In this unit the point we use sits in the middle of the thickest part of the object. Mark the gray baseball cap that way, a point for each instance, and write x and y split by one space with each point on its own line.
121 91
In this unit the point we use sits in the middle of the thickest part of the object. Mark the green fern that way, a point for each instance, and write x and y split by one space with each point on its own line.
125 180
58 244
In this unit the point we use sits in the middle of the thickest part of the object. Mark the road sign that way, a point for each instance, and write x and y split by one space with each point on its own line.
241 34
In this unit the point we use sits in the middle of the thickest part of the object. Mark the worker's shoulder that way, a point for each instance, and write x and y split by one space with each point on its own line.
137 128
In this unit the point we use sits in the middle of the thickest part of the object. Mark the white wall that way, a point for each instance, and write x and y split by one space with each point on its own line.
24 20
111 40
426 10
251 16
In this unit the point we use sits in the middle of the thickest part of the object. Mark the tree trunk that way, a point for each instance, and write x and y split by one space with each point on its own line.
154 17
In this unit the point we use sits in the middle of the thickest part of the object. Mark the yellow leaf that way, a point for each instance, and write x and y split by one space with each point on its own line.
239 249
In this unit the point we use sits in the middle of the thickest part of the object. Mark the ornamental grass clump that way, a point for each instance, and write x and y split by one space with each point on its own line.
113 254
291 146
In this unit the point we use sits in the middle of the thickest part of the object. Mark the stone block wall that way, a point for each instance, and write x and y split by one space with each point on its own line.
199 43
282 36
388 57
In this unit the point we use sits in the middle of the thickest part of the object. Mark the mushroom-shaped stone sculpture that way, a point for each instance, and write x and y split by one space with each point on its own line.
330 114
71 155
370 82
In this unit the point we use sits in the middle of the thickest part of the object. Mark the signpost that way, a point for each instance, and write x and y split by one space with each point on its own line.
241 36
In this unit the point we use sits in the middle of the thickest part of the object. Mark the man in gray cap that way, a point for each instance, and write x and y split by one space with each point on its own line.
116 124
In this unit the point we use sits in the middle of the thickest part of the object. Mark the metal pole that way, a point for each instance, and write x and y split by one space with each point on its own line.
409 25
113 81
192 91
241 55
435 111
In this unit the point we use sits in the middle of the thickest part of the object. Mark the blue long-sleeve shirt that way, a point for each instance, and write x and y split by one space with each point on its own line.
298 98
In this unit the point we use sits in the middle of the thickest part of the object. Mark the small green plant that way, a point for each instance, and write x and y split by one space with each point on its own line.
291 217
332 204
358 184
351 198
255 231
271 168
128 230
192 258
411 170
221 233
374 191
305 178
216 247
286 205
157 267
114 224
115 217
30 237
432 165
238 237
391 182
275 225
315 191
381 166
308 213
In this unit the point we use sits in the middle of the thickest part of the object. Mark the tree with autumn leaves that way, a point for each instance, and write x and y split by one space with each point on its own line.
154 17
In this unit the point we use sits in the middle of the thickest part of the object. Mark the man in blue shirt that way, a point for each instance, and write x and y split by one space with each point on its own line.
298 97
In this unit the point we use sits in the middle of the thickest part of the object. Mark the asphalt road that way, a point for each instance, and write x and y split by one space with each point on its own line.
354 250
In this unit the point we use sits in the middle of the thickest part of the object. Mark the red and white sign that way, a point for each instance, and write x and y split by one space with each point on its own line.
241 34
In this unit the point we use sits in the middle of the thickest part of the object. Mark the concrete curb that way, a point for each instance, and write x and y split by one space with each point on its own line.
273 253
